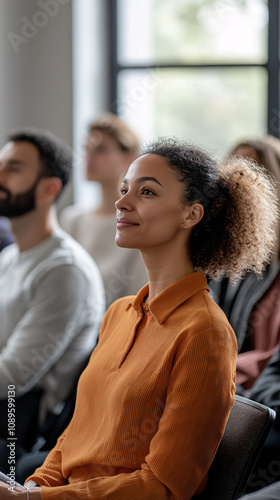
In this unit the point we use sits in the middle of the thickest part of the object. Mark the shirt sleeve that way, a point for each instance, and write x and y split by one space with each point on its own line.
200 394
61 309
50 473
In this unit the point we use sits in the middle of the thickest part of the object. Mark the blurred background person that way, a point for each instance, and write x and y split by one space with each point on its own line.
252 305
110 148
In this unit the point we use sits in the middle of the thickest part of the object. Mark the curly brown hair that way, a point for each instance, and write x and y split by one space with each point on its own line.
265 150
237 231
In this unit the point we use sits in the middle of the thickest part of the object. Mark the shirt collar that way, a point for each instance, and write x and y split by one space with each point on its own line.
172 297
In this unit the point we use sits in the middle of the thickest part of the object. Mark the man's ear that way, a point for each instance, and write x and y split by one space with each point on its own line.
48 189
192 215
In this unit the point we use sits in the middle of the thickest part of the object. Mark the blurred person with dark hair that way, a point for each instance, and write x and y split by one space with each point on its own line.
52 296
110 148
252 305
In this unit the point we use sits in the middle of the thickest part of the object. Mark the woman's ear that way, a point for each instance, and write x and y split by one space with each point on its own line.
192 215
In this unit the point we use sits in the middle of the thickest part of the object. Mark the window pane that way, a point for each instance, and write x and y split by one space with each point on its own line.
213 108
200 31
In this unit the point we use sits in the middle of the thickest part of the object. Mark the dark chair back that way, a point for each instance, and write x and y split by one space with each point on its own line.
247 428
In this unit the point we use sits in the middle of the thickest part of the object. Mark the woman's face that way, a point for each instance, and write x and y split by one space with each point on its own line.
105 160
150 210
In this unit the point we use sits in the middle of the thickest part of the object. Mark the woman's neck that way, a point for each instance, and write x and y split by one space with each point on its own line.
163 271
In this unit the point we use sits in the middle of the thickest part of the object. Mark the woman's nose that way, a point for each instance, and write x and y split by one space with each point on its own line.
124 203
120 205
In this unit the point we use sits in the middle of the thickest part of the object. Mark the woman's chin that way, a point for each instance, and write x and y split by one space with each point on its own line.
124 243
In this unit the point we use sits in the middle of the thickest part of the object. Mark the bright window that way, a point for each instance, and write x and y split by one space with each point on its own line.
198 69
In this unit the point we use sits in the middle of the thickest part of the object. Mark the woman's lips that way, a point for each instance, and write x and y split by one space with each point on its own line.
122 223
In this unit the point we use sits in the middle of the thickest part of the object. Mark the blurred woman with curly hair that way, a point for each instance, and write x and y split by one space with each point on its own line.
154 400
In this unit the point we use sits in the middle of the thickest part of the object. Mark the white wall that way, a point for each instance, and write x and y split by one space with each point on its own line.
36 66
53 71
36 69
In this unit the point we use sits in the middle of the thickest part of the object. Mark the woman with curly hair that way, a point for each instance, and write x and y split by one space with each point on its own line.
154 400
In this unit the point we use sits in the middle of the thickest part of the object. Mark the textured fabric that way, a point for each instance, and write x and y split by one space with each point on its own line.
122 269
153 402
51 306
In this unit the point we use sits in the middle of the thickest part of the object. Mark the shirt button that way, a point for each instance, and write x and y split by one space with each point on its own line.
145 307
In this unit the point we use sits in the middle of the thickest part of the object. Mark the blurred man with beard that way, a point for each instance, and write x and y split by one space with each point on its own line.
52 296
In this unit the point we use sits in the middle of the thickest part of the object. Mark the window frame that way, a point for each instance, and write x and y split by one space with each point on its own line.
272 66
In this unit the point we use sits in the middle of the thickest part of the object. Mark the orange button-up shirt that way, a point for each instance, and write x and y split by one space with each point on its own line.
153 402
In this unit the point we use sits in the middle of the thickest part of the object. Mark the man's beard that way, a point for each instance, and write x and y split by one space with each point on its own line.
20 204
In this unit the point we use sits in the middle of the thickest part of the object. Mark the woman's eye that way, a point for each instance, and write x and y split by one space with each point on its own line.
123 191
147 191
